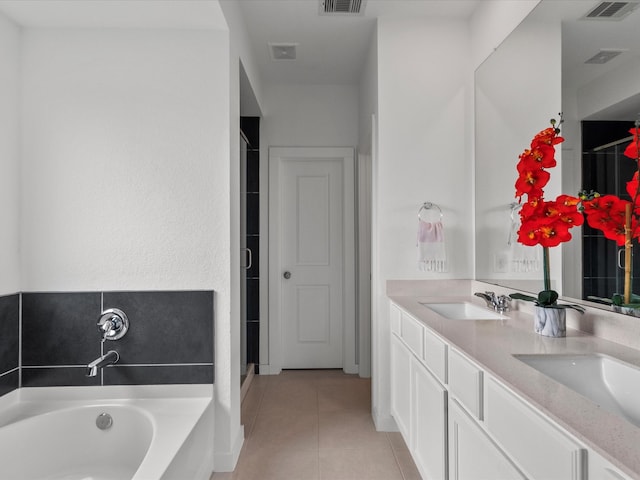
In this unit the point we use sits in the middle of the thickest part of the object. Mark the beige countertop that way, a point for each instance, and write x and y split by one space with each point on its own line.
492 344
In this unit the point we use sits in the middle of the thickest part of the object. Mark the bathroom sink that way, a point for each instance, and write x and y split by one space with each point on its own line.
611 383
463 311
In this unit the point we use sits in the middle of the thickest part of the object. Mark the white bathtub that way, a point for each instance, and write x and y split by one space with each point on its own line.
157 433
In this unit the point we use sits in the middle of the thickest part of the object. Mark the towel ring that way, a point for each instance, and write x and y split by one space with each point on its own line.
429 206
514 208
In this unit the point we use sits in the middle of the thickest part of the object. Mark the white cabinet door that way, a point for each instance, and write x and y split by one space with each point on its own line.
537 445
472 454
401 386
429 424
600 469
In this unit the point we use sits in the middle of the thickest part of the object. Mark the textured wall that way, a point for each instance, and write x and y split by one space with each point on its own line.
9 157
125 157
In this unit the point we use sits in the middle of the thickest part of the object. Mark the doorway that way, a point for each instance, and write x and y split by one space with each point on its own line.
312 258
249 244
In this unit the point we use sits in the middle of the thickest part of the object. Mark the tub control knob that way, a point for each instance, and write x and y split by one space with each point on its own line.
113 324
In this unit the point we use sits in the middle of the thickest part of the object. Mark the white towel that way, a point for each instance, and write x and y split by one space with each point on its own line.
431 252
523 258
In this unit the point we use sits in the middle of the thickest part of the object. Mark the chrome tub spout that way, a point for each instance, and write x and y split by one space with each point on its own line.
99 363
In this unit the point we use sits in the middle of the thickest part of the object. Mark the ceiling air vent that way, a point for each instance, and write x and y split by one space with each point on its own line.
283 51
611 10
604 55
331 7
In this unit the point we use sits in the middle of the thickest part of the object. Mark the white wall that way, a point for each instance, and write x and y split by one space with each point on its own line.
229 432
367 164
126 173
422 156
368 97
310 115
125 160
9 157
492 22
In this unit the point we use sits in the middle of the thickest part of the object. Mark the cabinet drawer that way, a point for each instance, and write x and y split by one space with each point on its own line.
412 332
435 356
466 383
540 449
394 319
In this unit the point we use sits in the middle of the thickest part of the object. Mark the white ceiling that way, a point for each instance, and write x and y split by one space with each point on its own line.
114 13
331 49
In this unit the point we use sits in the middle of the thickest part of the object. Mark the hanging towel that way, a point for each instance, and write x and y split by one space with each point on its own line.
431 252
523 258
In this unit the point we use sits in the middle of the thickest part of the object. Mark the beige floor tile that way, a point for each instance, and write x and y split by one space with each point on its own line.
254 396
290 396
358 464
407 465
397 442
284 430
279 464
346 429
312 424
336 395
223 476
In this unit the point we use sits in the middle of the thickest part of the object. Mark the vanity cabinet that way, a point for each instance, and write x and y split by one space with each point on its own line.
401 387
462 423
418 399
601 469
472 453
429 423
541 449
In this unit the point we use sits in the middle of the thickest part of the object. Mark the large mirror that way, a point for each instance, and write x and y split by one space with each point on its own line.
538 71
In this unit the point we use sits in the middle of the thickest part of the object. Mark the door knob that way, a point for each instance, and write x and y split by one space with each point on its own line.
287 275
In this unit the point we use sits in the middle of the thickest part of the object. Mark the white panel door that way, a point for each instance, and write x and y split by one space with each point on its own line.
311 256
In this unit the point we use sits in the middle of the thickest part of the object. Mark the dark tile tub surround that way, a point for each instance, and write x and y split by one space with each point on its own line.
170 338
9 342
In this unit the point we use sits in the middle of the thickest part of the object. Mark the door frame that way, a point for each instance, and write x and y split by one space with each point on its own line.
347 155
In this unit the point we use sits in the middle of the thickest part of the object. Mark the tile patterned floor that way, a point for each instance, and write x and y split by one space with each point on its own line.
316 425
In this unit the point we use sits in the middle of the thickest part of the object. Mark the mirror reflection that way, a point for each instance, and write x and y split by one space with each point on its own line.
588 69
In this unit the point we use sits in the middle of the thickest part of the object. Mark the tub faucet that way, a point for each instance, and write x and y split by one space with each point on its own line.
499 303
99 363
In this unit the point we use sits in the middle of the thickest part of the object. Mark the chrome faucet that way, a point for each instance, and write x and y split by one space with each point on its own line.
99 363
499 303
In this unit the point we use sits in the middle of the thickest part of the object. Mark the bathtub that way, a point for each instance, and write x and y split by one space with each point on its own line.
148 433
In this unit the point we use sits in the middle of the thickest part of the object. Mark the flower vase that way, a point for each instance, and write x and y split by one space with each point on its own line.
550 322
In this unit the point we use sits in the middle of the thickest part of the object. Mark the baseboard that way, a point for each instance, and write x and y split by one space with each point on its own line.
227 461
267 369
244 388
384 423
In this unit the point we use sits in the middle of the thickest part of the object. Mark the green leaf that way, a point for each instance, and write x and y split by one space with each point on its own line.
522 296
573 306
631 305
547 297
617 299
593 298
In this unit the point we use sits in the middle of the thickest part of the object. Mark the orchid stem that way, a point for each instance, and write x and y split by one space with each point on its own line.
545 267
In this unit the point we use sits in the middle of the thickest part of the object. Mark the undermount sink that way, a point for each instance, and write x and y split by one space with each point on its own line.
463 311
610 383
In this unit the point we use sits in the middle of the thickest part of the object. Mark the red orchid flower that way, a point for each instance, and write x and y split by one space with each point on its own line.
632 149
531 182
